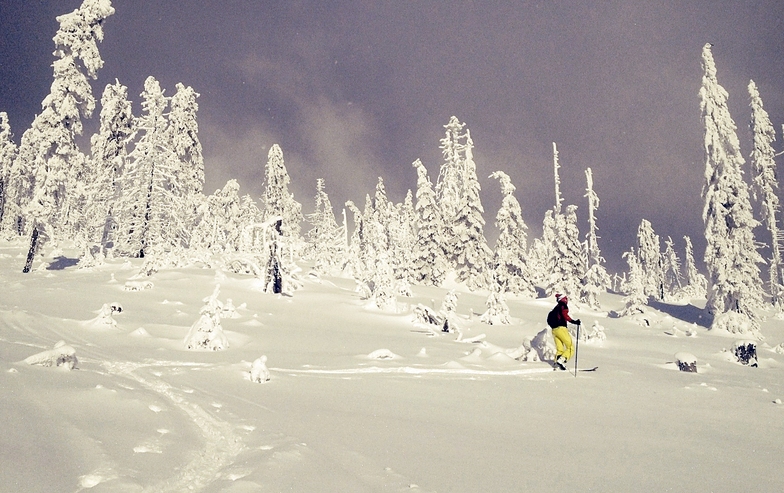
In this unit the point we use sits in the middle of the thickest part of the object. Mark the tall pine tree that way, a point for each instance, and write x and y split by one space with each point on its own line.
731 254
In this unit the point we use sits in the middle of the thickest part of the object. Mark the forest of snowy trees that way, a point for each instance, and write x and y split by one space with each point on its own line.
138 192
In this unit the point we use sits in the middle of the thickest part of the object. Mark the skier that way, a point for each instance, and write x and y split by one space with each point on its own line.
557 319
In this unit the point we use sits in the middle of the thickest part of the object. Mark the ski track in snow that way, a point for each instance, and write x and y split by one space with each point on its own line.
410 370
221 444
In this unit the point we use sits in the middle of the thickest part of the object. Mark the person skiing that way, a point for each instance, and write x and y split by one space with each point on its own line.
557 319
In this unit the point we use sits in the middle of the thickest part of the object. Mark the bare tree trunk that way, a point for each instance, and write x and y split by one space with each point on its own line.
33 249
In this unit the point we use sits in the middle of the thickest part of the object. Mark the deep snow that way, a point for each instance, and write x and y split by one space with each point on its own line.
363 400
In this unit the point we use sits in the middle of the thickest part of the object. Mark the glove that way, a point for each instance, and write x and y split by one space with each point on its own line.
577 322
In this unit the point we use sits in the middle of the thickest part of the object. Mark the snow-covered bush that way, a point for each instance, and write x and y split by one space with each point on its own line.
259 373
105 316
61 355
497 310
427 316
745 352
596 333
737 323
206 332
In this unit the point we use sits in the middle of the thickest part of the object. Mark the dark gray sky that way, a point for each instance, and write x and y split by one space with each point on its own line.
353 90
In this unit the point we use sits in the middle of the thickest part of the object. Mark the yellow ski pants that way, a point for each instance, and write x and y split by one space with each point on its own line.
563 342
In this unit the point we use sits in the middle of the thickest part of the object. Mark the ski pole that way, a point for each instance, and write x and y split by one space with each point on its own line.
576 349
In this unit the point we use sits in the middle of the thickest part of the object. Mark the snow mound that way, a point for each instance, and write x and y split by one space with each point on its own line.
383 354
259 373
137 285
61 355
686 362
140 332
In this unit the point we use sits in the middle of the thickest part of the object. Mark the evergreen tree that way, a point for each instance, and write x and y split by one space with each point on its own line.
671 271
449 186
150 185
108 155
8 150
325 237
567 264
731 255
220 223
765 185
510 268
403 237
649 259
596 279
277 201
634 287
429 263
472 254
695 284
48 151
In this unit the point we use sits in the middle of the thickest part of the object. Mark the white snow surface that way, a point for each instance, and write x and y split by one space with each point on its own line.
140 413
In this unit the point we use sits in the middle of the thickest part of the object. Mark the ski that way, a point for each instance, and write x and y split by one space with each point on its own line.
589 369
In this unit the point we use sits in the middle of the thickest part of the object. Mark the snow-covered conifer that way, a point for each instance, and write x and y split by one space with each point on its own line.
207 332
634 287
403 237
695 284
183 136
556 166
649 259
671 272
325 238
596 279
510 268
145 200
497 310
277 201
566 267
107 161
765 185
472 255
219 227
48 151
8 203
430 263
449 186
731 256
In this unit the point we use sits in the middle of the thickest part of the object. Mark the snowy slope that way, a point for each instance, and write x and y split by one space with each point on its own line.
363 400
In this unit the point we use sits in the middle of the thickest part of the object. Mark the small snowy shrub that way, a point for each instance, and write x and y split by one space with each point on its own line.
745 352
525 352
105 316
61 355
736 323
206 332
259 372
686 362
497 310
596 333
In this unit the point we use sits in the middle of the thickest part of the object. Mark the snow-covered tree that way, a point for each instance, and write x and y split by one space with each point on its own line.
765 185
731 256
207 332
510 269
556 166
107 161
220 225
403 238
497 312
671 272
325 238
8 149
634 287
471 252
596 279
449 186
695 284
277 201
183 137
649 259
566 267
48 151
150 188
429 263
